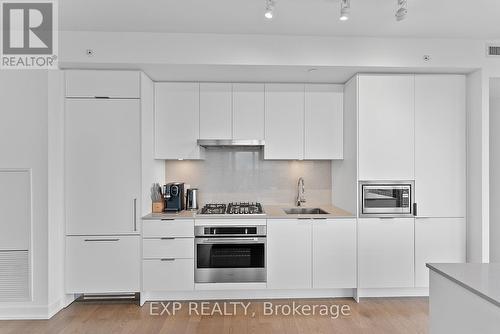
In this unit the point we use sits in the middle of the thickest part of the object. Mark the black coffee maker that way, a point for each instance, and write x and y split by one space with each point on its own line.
173 193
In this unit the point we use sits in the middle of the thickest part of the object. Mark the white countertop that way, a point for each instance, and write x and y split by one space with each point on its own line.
483 279
271 212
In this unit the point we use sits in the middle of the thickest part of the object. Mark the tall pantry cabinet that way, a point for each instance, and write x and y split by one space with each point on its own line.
102 181
412 128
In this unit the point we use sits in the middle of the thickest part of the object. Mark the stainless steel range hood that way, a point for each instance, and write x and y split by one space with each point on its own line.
231 143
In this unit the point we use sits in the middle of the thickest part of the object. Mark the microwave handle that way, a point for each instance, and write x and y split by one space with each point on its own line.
414 209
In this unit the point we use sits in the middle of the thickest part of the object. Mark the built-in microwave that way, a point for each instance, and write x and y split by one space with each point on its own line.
386 198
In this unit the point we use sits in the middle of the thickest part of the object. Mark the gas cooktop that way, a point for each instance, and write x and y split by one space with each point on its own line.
233 208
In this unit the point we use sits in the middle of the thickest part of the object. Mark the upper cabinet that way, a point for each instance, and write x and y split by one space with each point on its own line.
248 111
323 122
215 111
97 83
440 145
296 121
386 127
284 121
177 117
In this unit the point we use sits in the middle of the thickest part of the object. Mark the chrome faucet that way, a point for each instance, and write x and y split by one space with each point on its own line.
300 192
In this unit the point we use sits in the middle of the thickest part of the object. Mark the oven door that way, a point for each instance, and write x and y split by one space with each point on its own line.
379 200
230 259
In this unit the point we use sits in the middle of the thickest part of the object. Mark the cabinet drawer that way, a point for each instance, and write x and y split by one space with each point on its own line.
179 248
161 275
112 84
104 264
168 228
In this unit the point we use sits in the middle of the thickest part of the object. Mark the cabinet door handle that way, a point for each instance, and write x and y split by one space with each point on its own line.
135 214
167 219
97 240
167 238
168 259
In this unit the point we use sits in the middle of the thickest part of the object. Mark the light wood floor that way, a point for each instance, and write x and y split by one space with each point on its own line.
372 315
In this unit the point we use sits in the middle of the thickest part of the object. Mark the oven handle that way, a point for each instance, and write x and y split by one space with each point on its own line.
231 240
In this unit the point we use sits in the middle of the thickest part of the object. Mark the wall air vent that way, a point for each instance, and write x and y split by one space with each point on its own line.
493 50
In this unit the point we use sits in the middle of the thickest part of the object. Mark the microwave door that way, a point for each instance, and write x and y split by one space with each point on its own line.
383 200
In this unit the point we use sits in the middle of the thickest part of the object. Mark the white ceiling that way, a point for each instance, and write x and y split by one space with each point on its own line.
426 18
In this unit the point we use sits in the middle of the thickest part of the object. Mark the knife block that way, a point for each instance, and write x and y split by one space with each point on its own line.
158 207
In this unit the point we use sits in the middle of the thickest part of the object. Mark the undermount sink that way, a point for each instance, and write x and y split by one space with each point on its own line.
305 211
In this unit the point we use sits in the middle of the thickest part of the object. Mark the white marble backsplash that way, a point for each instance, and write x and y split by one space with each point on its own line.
233 174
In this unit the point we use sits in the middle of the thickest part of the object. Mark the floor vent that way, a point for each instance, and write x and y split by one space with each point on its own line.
493 50
14 275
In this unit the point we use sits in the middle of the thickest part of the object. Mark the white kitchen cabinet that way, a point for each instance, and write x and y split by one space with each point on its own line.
440 145
386 127
99 83
168 274
284 121
168 228
102 166
334 253
215 111
177 120
168 247
323 122
248 111
102 264
289 254
386 253
438 240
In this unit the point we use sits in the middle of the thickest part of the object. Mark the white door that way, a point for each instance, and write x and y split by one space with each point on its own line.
289 254
15 209
334 253
103 264
440 145
323 122
284 122
248 111
386 127
437 240
103 166
385 253
215 111
177 120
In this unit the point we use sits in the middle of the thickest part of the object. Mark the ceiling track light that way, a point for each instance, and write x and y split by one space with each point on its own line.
269 13
401 9
345 10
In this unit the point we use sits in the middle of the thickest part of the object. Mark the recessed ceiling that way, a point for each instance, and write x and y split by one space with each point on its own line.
476 19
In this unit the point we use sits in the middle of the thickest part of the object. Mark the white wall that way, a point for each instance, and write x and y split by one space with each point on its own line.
495 170
23 144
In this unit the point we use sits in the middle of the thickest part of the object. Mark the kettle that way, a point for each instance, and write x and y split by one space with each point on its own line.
192 199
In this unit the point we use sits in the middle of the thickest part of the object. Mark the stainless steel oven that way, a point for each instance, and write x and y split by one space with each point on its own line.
386 199
230 254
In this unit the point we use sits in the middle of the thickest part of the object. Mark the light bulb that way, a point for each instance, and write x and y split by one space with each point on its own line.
268 14
345 9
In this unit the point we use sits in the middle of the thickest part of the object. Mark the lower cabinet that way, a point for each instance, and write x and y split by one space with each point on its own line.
168 255
386 253
437 240
311 253
334 253
103 264
289 254
168 274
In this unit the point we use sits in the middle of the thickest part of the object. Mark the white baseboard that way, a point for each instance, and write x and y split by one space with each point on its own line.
393 292
34 312
244 294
